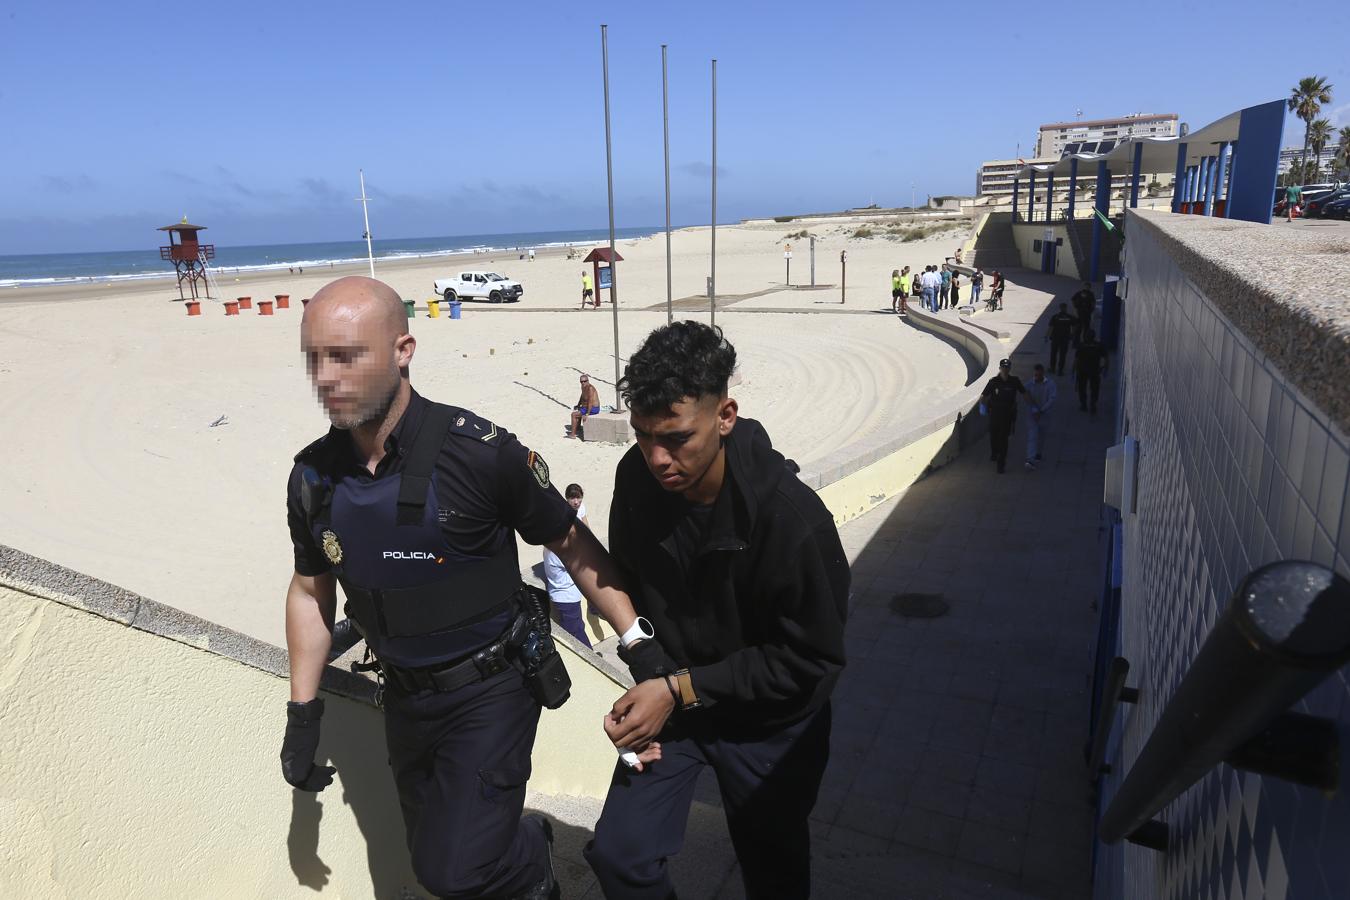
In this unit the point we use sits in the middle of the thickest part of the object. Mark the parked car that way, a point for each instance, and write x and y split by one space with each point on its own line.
1317 205
479 285
1337 209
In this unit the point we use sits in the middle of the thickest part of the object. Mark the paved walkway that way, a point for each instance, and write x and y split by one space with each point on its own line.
956 767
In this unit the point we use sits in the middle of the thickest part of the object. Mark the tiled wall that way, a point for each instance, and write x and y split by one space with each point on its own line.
1237 469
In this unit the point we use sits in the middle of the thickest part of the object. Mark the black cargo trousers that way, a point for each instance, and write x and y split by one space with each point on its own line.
768 785
461 759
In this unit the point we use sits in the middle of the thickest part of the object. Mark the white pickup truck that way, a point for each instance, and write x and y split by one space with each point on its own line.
479 286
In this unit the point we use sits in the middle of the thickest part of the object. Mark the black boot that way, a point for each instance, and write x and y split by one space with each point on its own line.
547 888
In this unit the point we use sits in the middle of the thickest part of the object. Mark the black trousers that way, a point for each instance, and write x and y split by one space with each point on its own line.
461 760
1059 350
1000 426
768 786
1088 388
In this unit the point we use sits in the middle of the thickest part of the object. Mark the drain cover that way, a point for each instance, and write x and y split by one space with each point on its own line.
919 606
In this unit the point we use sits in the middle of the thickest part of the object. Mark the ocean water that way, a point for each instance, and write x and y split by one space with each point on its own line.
124 265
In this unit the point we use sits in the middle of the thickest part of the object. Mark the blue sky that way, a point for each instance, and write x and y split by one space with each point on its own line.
252 118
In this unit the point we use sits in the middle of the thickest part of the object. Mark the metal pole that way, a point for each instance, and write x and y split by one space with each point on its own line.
365 214
712 293
665 124
609 177
843 276
813 260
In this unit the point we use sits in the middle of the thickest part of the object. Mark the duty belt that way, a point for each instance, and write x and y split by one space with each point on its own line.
491 660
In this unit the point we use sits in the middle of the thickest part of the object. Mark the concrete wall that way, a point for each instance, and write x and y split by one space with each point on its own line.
863 475
1239 466
139 755
1026 236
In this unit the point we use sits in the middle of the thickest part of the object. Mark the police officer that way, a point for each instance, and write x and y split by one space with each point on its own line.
1089 365
410 505
1084 304
1061 332
1000 396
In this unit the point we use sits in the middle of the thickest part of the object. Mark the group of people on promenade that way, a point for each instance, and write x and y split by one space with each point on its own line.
939 287
1001 394
724 579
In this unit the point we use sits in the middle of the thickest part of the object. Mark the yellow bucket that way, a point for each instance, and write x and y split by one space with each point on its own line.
434 309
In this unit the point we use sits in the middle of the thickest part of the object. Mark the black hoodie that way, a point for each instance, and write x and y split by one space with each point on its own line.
759 621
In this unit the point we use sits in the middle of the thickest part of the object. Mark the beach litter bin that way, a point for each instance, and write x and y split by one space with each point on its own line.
283 301
245 302
409 307
264 307
433 309
454 308
231 307
194 308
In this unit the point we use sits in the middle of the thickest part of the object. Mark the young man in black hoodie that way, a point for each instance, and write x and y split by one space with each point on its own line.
738 566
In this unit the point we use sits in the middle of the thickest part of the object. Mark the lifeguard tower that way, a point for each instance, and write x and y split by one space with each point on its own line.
188 257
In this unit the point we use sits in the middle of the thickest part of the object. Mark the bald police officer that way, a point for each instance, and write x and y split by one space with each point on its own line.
410 505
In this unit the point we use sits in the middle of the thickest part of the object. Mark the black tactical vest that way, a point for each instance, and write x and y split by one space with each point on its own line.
415 600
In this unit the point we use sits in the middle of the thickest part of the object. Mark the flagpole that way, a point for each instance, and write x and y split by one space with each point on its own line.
609 177
712 281
665 124
365 213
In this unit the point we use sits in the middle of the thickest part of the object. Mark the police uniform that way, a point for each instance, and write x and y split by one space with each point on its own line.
426 557
1062 326
1087 367
1000 395
1084 304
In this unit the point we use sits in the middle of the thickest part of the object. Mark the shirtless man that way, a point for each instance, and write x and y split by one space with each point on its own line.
588 404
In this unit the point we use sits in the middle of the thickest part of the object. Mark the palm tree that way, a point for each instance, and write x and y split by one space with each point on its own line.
1319 135
1344 139
1305 101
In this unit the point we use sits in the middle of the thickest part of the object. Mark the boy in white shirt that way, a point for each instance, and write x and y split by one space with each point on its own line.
564 594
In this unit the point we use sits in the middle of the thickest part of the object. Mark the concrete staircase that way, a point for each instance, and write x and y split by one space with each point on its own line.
1080 238
995 247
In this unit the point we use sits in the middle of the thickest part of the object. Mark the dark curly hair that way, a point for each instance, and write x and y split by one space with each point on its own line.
683 359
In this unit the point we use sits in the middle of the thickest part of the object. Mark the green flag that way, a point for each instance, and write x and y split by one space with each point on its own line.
1105 220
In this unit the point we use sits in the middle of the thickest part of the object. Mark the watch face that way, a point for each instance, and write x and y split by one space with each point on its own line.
332 547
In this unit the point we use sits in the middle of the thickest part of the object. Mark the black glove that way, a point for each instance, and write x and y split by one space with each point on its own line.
646 660
297 750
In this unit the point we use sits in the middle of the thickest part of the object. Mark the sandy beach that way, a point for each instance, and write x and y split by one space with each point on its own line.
110 394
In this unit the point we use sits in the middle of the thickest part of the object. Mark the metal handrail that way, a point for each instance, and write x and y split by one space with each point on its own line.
1116 693
1285 630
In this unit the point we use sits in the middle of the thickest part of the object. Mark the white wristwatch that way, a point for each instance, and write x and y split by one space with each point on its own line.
640 630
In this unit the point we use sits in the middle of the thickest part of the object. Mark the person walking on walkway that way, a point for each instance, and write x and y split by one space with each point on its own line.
739 567
976 285
1084 302
1041 394
895 291
1089 365
1292 195
587 289
1000 398
1061 330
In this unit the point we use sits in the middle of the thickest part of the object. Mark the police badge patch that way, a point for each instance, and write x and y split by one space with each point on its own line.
331 547
538 468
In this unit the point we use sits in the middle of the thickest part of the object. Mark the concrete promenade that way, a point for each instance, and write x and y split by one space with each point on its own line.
956 767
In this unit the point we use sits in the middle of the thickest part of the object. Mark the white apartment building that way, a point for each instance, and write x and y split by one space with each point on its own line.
1101 135
1326 160
995 177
